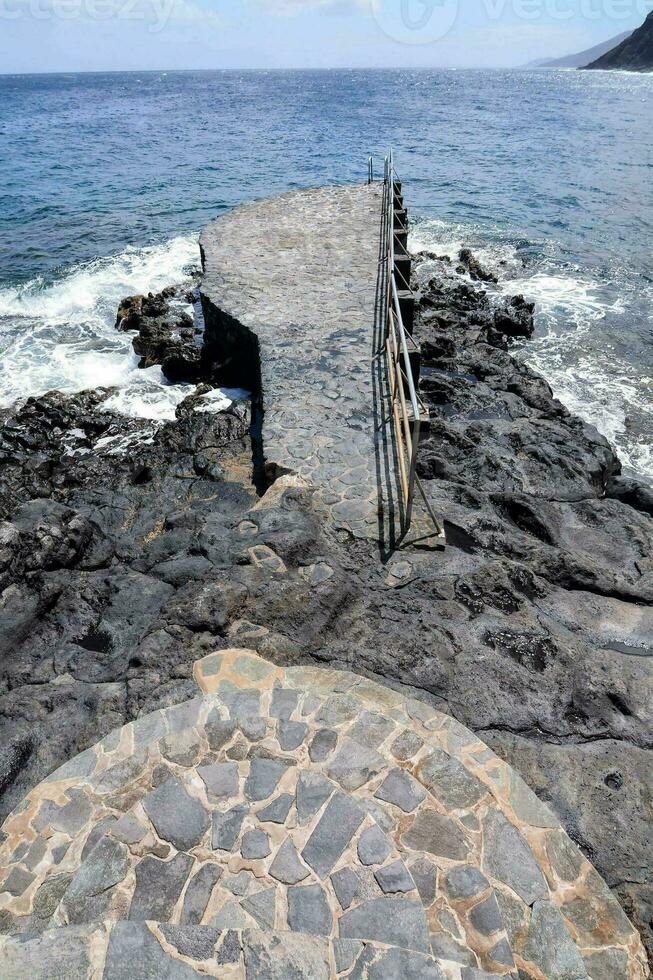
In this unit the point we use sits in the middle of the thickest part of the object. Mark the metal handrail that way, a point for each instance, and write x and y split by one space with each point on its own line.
400 374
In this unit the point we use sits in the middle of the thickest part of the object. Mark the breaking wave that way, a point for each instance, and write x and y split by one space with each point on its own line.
589 327
60 334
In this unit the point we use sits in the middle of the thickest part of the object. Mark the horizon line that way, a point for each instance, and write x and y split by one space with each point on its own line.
303 68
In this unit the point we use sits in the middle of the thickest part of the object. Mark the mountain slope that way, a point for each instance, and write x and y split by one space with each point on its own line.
634 54
582 58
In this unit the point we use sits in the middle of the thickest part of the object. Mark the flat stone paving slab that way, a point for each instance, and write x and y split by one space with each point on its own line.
300 272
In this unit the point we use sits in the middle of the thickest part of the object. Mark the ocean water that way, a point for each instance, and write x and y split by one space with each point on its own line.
106 179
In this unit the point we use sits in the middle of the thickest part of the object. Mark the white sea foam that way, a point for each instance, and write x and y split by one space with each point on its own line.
570 348
218 399
61 335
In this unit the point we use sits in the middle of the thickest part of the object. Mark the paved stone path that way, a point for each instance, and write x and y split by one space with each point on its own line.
299 823
300 272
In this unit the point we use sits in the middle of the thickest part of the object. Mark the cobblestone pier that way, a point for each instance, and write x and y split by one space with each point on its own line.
296 277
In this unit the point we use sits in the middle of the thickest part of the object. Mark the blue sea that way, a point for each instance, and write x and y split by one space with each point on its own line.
106 179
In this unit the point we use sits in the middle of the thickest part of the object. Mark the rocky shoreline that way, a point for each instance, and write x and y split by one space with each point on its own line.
128 551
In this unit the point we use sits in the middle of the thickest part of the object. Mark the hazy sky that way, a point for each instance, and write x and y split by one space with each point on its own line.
89 35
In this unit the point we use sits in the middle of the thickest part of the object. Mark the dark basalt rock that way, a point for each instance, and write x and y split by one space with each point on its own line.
165 333
515 318
121 564
474 267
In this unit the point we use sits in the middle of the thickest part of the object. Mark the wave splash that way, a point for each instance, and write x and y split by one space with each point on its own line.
61 334
585 343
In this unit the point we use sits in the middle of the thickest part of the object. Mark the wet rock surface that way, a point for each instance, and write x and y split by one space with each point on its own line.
122 563
166 332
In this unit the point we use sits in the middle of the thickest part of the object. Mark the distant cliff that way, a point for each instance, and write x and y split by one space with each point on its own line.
633 54
581 58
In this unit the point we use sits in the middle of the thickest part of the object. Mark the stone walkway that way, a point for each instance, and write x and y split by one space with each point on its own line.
300 272
299 823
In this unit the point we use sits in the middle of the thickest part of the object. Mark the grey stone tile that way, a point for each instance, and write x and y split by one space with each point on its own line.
425 877
323 744
345 952
241 702
607 964
232 916
263 778
229 950
45 956
262 907
71 817
464 882
373 846
277 811
336 827
337 709
287 866
221 779
132 943
158 887
128 829
486 916
402 964
436 834
255 845
78 768
394 878
218 731
502 953
401 789
17 881
550 947
395 921
346 885
564 857
445 947
226 827
371 728
507 857
182 748
89 892
291 734
309 911
355 764
49 894
450 782
283 703
239 884
199 892
196 942
101 828
313 790
253 729
177 816
285 956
